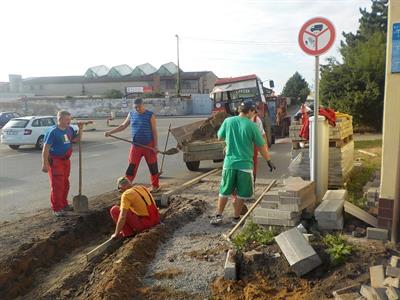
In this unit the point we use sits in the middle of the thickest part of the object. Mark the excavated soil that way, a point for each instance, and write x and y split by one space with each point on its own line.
182 258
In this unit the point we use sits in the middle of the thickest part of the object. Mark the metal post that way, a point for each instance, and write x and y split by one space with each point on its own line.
178 83
314 158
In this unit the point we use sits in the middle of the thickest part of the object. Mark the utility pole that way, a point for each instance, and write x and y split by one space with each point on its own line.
178 81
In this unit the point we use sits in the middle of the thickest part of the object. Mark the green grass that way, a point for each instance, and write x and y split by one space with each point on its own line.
337 248
253 234
361 175
367 144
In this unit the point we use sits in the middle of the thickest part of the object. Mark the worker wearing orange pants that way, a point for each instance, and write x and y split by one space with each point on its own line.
135 155
59 180
137 211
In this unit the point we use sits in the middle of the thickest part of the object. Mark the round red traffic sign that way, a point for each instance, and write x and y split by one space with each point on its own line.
317 36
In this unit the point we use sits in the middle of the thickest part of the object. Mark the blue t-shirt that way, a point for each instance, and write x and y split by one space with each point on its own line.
141 127
59 140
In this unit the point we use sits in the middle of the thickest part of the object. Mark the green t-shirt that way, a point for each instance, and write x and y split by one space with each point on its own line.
240 135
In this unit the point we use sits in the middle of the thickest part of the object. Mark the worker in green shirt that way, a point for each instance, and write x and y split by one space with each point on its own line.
240 135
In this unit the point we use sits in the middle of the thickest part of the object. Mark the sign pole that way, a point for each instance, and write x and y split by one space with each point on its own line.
314 159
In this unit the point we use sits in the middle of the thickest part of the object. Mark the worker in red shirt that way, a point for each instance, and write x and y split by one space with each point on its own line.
56 152
137 211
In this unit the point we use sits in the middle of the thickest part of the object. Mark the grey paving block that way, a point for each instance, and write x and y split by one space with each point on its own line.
287 200
395 261
392 293
301 256
377 233
367 292
392 281
278 222
297 189
335 195
331 225
392 271
271 196
230 267
329 210
348 296
377 276
269 204
380 294
275 213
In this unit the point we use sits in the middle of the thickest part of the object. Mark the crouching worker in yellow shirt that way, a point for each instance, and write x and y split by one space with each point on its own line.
137 212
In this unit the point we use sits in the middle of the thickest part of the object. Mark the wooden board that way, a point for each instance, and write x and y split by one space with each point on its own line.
100 249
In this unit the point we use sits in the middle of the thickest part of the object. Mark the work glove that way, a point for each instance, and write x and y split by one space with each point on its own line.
271 165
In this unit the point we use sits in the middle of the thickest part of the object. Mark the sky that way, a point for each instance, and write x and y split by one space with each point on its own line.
230 38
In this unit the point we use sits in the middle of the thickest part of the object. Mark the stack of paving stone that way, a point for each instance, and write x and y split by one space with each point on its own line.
340 164
329 214
371 190
284 204
341 152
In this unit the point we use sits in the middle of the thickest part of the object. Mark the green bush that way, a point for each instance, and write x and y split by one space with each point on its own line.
337 248
252 233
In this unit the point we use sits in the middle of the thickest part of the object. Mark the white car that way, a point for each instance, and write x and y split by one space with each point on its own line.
28 131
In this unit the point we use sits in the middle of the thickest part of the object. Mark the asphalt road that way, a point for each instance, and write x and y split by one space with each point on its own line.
24 189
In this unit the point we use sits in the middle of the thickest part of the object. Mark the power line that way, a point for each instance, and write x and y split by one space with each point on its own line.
242 42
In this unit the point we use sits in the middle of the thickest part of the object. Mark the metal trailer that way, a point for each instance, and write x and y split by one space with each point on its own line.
196 151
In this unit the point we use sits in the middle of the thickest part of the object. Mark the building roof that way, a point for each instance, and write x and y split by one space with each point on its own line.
97 71
120 71
168 69
83 79
143 69
235 79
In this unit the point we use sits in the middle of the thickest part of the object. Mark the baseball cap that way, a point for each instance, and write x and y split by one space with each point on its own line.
122 181
138 101
248 104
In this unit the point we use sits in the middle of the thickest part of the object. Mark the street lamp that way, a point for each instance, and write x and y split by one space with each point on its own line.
178 83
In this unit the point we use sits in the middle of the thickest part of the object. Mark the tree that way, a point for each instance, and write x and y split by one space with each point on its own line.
113 94
356 86
296 88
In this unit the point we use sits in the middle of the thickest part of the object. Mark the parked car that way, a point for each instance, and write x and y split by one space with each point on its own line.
28 131
6 116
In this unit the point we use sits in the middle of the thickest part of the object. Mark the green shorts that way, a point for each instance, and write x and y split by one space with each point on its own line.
237 181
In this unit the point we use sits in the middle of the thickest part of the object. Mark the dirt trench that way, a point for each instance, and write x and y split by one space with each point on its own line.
54 266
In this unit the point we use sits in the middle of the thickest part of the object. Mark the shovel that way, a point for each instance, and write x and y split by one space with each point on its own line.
80 202
165 149
170 151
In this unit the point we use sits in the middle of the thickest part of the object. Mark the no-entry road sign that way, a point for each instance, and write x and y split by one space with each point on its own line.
316 36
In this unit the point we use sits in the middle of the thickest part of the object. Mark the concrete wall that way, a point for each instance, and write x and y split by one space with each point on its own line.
95 108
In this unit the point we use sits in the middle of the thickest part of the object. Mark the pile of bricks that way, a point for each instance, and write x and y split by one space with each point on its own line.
329 214
371 190
381 288
283 205
340 164
341 152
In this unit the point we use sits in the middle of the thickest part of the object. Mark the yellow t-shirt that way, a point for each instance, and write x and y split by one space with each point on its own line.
136 199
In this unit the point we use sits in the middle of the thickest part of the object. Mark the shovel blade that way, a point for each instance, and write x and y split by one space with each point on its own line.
80 203
171 151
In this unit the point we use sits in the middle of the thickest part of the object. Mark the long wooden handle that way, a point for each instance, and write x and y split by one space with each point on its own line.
80 163
250 209
165 148
134 143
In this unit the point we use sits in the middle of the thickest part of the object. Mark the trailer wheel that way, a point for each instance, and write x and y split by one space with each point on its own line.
193 165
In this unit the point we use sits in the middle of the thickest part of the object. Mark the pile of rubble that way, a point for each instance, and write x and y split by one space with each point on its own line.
381 288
